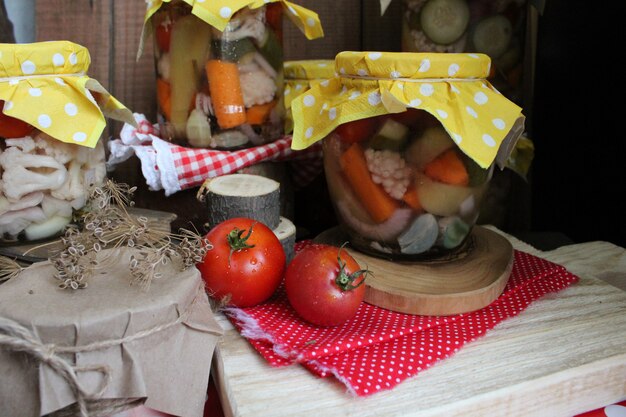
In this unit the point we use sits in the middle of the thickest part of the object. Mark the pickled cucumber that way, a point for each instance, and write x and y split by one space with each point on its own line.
233 51
477 175
391 136
444 21
432 143
492 35
452 232
441 199
191 44
272 51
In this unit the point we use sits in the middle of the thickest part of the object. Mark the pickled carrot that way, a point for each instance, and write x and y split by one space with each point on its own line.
412 199
259 113
447 168
375 200
164 96
225 91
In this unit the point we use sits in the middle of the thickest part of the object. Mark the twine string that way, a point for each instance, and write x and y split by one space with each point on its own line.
35 76
411 80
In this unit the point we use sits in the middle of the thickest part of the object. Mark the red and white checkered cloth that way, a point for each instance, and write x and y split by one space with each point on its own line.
174 168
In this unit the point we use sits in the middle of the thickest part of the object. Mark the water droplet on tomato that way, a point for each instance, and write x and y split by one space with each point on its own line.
253 261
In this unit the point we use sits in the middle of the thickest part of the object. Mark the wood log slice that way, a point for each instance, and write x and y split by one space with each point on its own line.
278 171
242 195
286 233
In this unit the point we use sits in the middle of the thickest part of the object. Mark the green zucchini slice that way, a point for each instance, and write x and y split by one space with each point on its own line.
492 35
444 21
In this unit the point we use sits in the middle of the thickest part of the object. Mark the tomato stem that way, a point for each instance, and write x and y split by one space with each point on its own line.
346 282
237 241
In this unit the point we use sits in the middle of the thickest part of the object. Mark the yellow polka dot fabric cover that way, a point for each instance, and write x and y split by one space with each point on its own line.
217 13
299 76
45 85
452 87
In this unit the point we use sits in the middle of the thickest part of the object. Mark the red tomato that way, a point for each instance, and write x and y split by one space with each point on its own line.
164 36
246 263
10 127
357 130
324 285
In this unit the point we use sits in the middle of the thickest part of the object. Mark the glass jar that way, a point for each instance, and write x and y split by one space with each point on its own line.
51 121
219 70
494 28
409 141
299 76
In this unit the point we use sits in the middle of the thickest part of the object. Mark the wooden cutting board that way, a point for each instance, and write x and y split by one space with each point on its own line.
468 282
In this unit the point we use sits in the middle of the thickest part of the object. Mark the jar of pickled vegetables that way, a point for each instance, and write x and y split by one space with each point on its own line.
299 76
51 122
494 28
410 141
219 69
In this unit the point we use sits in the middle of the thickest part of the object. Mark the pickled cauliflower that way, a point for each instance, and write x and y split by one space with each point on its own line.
42 180
389 169
257 86
247 23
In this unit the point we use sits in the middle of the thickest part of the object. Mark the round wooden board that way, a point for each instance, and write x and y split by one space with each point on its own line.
439 288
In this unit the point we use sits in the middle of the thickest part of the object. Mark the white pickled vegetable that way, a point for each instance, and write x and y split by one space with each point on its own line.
4 204
421 236
42 181
24 173
389 169
13 222
198 129
257 86
163 66
49 227
55 207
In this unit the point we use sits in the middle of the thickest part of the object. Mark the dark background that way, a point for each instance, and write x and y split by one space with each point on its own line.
577 178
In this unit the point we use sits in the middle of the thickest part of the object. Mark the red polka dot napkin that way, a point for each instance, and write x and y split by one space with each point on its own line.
378 348
613 410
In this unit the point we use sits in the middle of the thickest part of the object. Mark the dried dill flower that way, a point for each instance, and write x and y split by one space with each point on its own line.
192 248
107 224
9 268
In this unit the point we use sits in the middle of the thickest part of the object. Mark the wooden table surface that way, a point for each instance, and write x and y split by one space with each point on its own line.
564 355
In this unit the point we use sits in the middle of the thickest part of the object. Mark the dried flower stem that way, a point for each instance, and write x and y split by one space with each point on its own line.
107 224
9 268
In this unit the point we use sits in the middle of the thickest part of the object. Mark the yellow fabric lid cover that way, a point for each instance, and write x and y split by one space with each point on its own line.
299 75
309 69
217 13
45 85
452 87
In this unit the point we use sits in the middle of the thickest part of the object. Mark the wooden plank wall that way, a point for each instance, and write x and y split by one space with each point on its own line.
111 29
